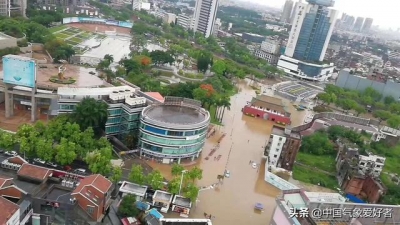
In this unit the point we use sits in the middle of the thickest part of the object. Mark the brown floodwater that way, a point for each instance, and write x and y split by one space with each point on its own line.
232 202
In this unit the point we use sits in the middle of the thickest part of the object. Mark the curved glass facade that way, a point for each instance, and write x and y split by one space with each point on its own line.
171 143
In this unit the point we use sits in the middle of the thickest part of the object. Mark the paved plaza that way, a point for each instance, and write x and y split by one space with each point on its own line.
297 91
117 46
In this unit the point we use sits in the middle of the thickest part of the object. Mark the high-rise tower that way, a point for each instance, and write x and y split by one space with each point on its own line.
205 15
358 24
287 11
367 24
311 30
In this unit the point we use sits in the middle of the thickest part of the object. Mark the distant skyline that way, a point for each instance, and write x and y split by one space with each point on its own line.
384 12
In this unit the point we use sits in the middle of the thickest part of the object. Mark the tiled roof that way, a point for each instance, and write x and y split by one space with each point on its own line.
3 180
8 209
34 172
17 160
98 181
156 95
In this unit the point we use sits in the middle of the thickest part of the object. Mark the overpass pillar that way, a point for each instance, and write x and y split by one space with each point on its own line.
8 102
33 106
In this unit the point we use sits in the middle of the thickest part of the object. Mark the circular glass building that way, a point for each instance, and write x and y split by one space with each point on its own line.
174 130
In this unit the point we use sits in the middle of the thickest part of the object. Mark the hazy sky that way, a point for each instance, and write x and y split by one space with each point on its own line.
384 12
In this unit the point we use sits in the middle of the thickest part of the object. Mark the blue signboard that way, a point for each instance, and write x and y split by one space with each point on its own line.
112 22
19 71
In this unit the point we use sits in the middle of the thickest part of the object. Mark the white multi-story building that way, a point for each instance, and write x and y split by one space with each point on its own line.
217 26
287 11
185 21
169 18
137 5
205 16
275 145
159 13
269 50
270 58
371 164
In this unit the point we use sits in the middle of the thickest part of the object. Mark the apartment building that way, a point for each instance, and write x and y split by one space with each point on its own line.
205 16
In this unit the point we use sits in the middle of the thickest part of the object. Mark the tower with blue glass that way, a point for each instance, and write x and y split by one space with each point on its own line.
311 30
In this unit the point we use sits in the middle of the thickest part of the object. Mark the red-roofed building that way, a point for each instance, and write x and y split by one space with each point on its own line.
9 213
5 181
156 96
34 173
93 195
17 160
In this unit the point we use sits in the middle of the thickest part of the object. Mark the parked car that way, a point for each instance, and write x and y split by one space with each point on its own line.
11 153
52 164
38 160
80 171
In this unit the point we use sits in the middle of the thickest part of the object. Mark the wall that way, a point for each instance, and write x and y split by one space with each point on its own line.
290 150
372 190
279 218
276 149
354 186
7 42
268 116
349 81
14 220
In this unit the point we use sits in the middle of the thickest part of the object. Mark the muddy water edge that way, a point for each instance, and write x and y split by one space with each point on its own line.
232 201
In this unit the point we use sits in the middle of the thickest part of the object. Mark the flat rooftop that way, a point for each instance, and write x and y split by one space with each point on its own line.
175 114
162 196
133 188
68 91
182 201
278 131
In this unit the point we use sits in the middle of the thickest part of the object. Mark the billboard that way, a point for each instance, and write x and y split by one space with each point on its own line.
19 70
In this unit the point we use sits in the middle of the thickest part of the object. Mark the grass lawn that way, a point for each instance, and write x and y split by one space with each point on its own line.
193 75
55 29
212 115
76 39
166 73
61 36
314 177
326 163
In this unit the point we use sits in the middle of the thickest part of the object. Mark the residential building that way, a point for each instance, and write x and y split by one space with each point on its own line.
33 173
135 189
124 105
306 49
256 38
174 130
9 213
287 11
11 7
7 41
185 21
275 28
169 18
269 50
93 195
205 16
162 200
371 164
282 147
267 108
217 27
181 205
137 5
159 13
358 24
367 25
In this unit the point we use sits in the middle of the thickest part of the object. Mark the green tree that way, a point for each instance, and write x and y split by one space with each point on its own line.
155 180
44 149
394 121
116 174
375 95
136 175
65 152
7 140
394 108
382 114
195 174
325 98
174 185
360 110
128 208
86 142
27 137
389 100
99 161
317 144
177 169
219 67
201 95
91 113
191 192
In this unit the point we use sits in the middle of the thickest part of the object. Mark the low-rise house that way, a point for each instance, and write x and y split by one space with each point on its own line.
135 189
163 200
33 173
181 205
153 217
93 195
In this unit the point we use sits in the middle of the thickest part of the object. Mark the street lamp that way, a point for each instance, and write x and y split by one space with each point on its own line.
180 185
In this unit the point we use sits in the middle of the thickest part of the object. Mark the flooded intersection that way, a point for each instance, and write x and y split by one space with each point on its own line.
232 201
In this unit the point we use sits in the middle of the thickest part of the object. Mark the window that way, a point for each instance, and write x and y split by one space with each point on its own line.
280 138
279 144
275 156
277 149
90 209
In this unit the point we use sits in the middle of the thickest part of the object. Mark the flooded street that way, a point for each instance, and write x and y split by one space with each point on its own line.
232 201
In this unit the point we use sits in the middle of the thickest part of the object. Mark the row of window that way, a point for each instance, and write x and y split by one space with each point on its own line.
172 151
67 107
168 141
173 133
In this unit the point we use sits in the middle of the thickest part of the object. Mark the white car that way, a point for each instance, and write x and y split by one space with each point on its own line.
11 153
227 173
52 164
254 165
38 160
